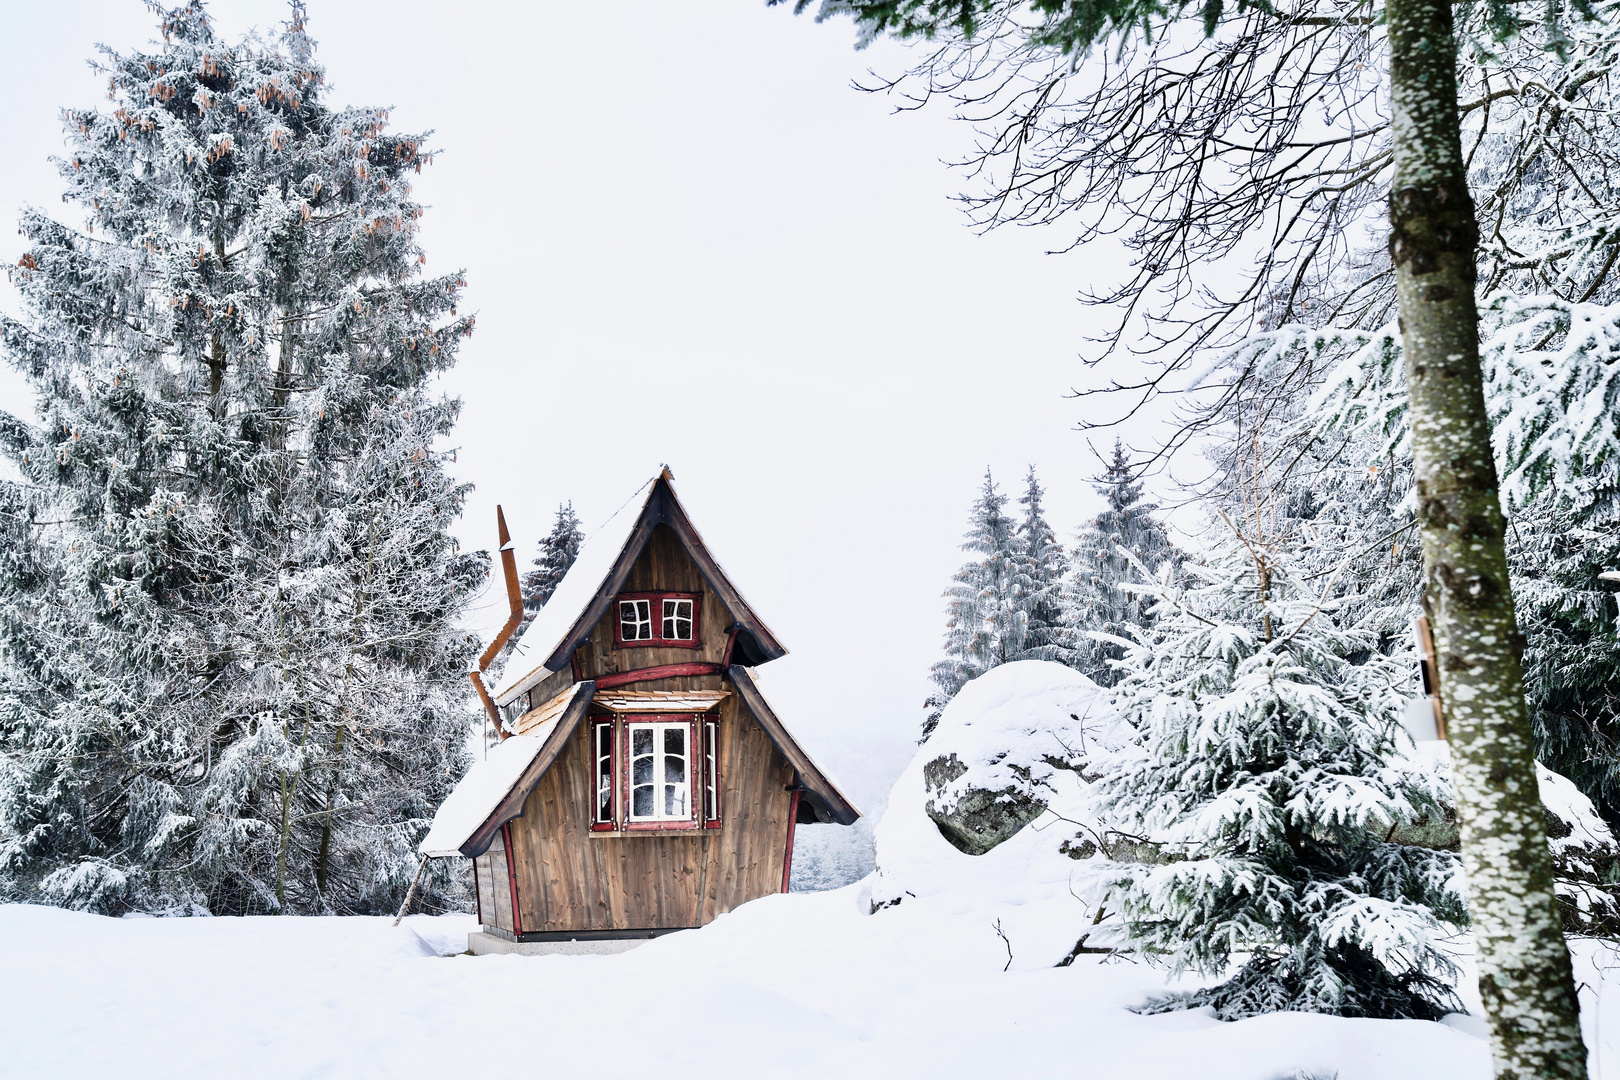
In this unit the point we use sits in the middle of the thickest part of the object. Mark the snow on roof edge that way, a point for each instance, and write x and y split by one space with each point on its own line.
478 794
597 556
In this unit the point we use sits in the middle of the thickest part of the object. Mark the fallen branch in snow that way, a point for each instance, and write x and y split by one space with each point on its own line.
1080 946
1005 942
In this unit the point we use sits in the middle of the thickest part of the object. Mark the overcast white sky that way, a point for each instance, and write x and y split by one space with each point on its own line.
688 240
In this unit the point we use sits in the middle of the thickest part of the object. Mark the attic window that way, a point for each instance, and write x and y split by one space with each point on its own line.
635 620
677 620
657 620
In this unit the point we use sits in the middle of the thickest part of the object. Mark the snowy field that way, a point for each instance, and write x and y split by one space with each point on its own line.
953 976
803 985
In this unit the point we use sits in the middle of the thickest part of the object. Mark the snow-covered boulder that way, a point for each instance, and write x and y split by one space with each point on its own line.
971 818
1031 731
1003 748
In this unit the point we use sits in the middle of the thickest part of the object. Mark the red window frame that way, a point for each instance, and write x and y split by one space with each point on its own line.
596 730
703 770
710 728
693 774
655 608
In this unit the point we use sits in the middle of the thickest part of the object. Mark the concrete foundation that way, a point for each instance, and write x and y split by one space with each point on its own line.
482 944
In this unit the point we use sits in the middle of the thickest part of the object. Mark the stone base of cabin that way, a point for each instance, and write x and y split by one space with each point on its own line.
501 943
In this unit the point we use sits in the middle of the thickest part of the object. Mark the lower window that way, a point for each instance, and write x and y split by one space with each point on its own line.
605 770
660 757
655 772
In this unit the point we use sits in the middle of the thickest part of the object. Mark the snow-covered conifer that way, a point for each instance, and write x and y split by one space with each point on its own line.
1269 724
1096 600
1047 637
230 673
557 553
987 618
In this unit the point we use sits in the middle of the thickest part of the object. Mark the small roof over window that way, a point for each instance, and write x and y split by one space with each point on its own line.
648 701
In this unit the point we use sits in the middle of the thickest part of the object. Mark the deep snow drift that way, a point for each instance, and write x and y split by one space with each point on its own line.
956 980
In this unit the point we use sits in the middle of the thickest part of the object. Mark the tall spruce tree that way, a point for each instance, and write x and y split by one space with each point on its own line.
1046 564
230 674
987 617
1097 600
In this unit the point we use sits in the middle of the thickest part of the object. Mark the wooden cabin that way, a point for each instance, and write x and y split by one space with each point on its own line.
642 783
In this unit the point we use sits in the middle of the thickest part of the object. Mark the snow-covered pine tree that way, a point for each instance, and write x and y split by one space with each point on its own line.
558 551
1558 547
987 617
1269 721
1046 564
230 674
1551 385
1096 601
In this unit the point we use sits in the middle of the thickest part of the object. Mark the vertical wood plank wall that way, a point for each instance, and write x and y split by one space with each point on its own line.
494 888
570 879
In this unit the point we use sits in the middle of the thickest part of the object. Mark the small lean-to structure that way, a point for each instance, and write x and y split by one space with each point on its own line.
642 783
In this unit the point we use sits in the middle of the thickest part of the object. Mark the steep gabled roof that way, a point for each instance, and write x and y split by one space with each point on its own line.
599 573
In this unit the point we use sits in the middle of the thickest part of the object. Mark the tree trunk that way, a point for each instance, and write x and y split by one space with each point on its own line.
326 825
1524 969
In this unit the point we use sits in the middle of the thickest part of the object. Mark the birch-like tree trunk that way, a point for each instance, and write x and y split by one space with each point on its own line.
1524 969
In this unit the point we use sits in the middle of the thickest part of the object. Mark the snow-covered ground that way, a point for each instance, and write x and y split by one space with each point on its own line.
956 979
802 985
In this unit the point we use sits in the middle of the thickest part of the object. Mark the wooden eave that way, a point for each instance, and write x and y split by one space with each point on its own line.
541 713
817 788
755 642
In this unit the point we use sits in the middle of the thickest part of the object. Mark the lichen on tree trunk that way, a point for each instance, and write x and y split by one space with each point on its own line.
1524 969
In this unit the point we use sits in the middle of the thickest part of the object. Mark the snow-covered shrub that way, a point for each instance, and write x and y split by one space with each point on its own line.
1268 725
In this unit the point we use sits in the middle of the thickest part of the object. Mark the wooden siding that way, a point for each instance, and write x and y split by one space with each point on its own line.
552 709
494 888
570 879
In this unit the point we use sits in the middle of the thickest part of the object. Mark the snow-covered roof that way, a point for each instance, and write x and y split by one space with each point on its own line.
552 624
481 791
603 563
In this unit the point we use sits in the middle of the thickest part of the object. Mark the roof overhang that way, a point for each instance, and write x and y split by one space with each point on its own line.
494 790
816 786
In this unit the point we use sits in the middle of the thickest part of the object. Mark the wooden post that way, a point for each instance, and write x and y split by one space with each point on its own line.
410 894
793 821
